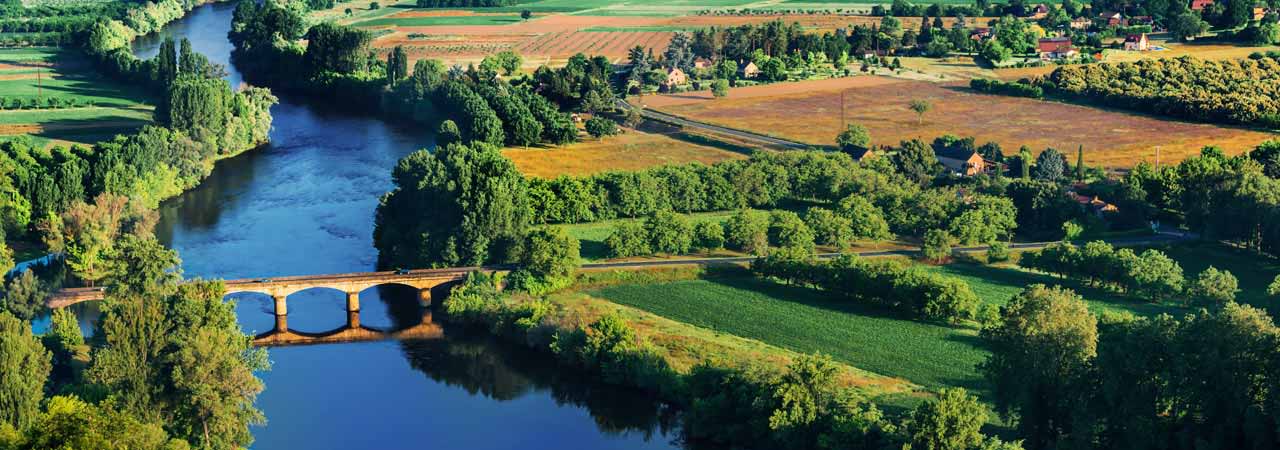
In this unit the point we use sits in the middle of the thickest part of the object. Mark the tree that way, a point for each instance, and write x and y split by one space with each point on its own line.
448 133
916 161
866 221
1080 164
374 6
477 202
669 233
397 65
549 258
787 231
952 421
748 230
24 368
854 136
774 70
936 246
599 127
23 296
87 233
994 52
1274 288
1156 276
1187 26
720 88
1071 231
1024 162
1214 287
1050 166
628 239
920 107
526 14
829 228
1039 362
708 235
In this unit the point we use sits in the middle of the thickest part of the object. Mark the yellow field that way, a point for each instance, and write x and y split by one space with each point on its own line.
631 150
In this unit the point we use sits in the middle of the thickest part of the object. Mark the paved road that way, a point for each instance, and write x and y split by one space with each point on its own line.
716 129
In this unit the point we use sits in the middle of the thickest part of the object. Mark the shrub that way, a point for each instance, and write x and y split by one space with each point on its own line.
1009 88
908 289
547 262
998 252
599 127
936 246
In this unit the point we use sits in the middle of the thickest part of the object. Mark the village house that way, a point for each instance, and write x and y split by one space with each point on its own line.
676 77
1259 13
1110 19
749 70
981 34
962 162
1080 23
1137 43
701 63
1094 205
860 153
1201 5
1056 48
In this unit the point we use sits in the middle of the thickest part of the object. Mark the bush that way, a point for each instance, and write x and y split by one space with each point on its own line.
998 252
720 88
547 262
1009 88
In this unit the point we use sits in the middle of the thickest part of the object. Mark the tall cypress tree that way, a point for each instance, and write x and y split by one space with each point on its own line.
1080 163
167 63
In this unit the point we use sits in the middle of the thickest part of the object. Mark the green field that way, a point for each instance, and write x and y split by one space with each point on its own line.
804 320
103 107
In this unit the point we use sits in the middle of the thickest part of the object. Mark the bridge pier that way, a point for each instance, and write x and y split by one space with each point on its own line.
353 319
282 324
353 301
424 296
282 308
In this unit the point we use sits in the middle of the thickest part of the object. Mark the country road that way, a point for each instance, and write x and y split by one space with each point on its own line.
715 129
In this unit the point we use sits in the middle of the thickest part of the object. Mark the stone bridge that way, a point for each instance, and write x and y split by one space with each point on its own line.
280 288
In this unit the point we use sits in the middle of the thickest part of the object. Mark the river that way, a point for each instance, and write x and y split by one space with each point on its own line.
304 205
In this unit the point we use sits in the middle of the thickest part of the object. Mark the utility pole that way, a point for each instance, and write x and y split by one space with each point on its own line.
1157 157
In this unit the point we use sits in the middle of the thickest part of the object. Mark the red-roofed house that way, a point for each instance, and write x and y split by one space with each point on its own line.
1111 19
1200 5
1056 48
1039 12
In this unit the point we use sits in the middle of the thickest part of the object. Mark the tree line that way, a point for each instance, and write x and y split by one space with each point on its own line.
905 288
1067 379
1242 91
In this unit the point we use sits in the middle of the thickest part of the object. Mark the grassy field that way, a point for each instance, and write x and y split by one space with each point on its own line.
1110 138
804 320
105 107
431 21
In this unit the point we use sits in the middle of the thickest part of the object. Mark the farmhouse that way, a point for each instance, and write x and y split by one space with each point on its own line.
749 71
860 153
962 162
701 63
1137 43
1259 13
1094 205
981 34
676 77
1201 5
1080 23
1110 19
1056 48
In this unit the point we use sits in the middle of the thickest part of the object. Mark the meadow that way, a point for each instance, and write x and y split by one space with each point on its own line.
1110 138
102 107
653 145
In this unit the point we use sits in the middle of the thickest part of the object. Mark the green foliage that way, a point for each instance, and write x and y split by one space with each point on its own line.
829 228
916 161
1050 166
936 246
854 136
628 239
865 219
998 252
953 421
669 233
748 230
1214 287
24 368
985 219
478 204
708 235
720 88
995 52
397 65
1039 360
907 289
548 260
23 296
335 48
920 107
507 62
790 234
68 422
447 134
1230 91
599 127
